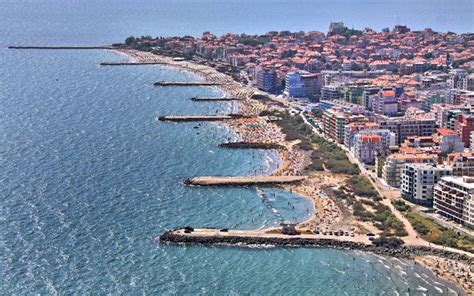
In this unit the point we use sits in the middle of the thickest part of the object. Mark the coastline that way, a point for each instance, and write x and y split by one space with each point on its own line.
235 89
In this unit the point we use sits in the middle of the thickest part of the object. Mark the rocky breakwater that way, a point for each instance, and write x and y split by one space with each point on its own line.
250 145
186 236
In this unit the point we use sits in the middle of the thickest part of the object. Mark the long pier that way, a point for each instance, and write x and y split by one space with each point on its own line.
214 99
60 47
131 63
252 145
201 117
185 83
243 180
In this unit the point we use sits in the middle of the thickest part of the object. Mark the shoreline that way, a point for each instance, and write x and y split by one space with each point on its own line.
235 89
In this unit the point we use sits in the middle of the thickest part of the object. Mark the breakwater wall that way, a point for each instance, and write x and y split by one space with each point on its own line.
247 145
60 47
405 252
201 117
243 180
214 99
130 63
185 83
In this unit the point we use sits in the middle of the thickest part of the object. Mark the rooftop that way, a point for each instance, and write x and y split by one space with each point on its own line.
466 182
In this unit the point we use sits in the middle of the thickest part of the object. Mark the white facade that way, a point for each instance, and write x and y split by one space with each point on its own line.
366 144
451 143
454 199
419 179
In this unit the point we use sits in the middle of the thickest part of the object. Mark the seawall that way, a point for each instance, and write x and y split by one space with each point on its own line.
201 117
189 83
60 47
406 252
248 145
243 180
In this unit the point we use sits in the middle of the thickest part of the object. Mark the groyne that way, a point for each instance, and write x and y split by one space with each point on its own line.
180 236
214 99
250 145
243 180
130 63
201 117
60 47
185 83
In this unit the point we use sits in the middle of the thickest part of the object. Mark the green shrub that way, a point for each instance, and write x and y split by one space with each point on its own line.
400 205
362 186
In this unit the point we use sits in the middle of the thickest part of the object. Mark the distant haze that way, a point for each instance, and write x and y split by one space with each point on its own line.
87 22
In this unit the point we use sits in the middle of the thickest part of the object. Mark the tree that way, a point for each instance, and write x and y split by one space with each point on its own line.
386 30
130 40
428 55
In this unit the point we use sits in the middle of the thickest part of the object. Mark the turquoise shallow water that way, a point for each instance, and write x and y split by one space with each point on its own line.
89 178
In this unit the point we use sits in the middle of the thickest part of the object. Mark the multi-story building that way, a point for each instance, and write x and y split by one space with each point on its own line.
395 163
472 141
335 120
419 179
311 85
367 144
384 102
464 127
266 79
449 141
407 126
340 104
352 129
462 163
454 199
331 92
459 79
444 114
336 28
295 87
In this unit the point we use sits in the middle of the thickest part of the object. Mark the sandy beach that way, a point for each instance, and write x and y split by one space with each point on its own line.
454 271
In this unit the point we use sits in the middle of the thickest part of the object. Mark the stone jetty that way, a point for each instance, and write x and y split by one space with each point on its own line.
252 238
250 145
131 63
215 99
185 83
61 47
243 180
201 117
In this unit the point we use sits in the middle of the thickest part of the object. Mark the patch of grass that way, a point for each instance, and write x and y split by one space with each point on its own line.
400 205
305 145
325 153
362 187
435 233
333 157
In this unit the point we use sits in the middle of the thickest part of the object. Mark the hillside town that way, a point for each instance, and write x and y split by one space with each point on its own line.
400 101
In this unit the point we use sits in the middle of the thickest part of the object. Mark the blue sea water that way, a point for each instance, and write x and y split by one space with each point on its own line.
89 177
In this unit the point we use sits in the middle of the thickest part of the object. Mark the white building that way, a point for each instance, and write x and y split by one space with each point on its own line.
454 199
368 143
395 163
449 141
419 179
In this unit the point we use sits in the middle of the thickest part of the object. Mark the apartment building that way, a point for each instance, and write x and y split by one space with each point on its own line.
404 127
462 163
335 120
395 163
464 127
419 179
453 198
266 79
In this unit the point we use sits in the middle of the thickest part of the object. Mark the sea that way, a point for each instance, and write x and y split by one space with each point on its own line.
89 177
